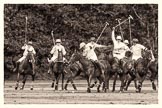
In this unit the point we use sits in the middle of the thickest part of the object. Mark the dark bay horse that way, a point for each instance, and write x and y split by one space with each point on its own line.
58 70
89 70
141 70
153 73
26 68
128 75
115 69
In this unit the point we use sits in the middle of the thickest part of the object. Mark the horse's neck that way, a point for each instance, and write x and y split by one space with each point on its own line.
60 55
84 61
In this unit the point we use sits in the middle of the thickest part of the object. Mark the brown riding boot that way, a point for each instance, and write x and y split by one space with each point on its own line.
99 66
33 66
50 68
17 66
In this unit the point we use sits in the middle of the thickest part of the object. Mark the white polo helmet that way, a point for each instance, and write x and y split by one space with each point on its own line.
30 43
58 40
126 41
119 38
82 45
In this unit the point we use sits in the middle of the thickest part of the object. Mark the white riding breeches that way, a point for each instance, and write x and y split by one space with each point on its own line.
119 56
136 57
54 59
22 58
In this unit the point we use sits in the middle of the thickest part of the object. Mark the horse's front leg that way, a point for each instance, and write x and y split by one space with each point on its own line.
140 83
33 78
114 83
24 81
152 79
17 83
70 79
63 80
122 79
89 78
101 80
57 81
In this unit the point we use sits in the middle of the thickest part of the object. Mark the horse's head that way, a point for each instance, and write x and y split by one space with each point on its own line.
60 55
76 56
116 65
146 54
30 56
128 54
129 65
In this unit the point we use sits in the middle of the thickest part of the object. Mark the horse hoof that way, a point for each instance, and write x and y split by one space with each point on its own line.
125 89
137 91
16 88
92 85
98 91
89 90
66 89
21 88
120 91
154 87
52 85
113 90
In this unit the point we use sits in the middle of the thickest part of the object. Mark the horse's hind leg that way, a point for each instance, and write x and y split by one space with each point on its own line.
67 82
100 82
53 83
17 83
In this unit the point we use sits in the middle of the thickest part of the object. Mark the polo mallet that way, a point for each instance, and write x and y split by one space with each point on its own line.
130 17
102 32
53 39
26 24
120 29
130 28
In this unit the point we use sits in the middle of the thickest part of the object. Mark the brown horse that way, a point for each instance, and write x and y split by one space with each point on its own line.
153 73
127 66
26 68
115 69
58 70
89 70
141 70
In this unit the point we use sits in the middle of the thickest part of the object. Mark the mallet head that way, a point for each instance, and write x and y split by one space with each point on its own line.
107 23
130 17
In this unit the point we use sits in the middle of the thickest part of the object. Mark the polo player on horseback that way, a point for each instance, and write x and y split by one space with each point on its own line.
27 48
119 47
136 49
54 51
89 53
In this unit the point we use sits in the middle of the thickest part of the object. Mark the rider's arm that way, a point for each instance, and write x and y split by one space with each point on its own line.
153 58
113 36
34 52
24 47
142 47
53 50
100 46
63 50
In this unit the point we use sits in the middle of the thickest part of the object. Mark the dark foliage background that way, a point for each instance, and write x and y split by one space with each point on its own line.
73 23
